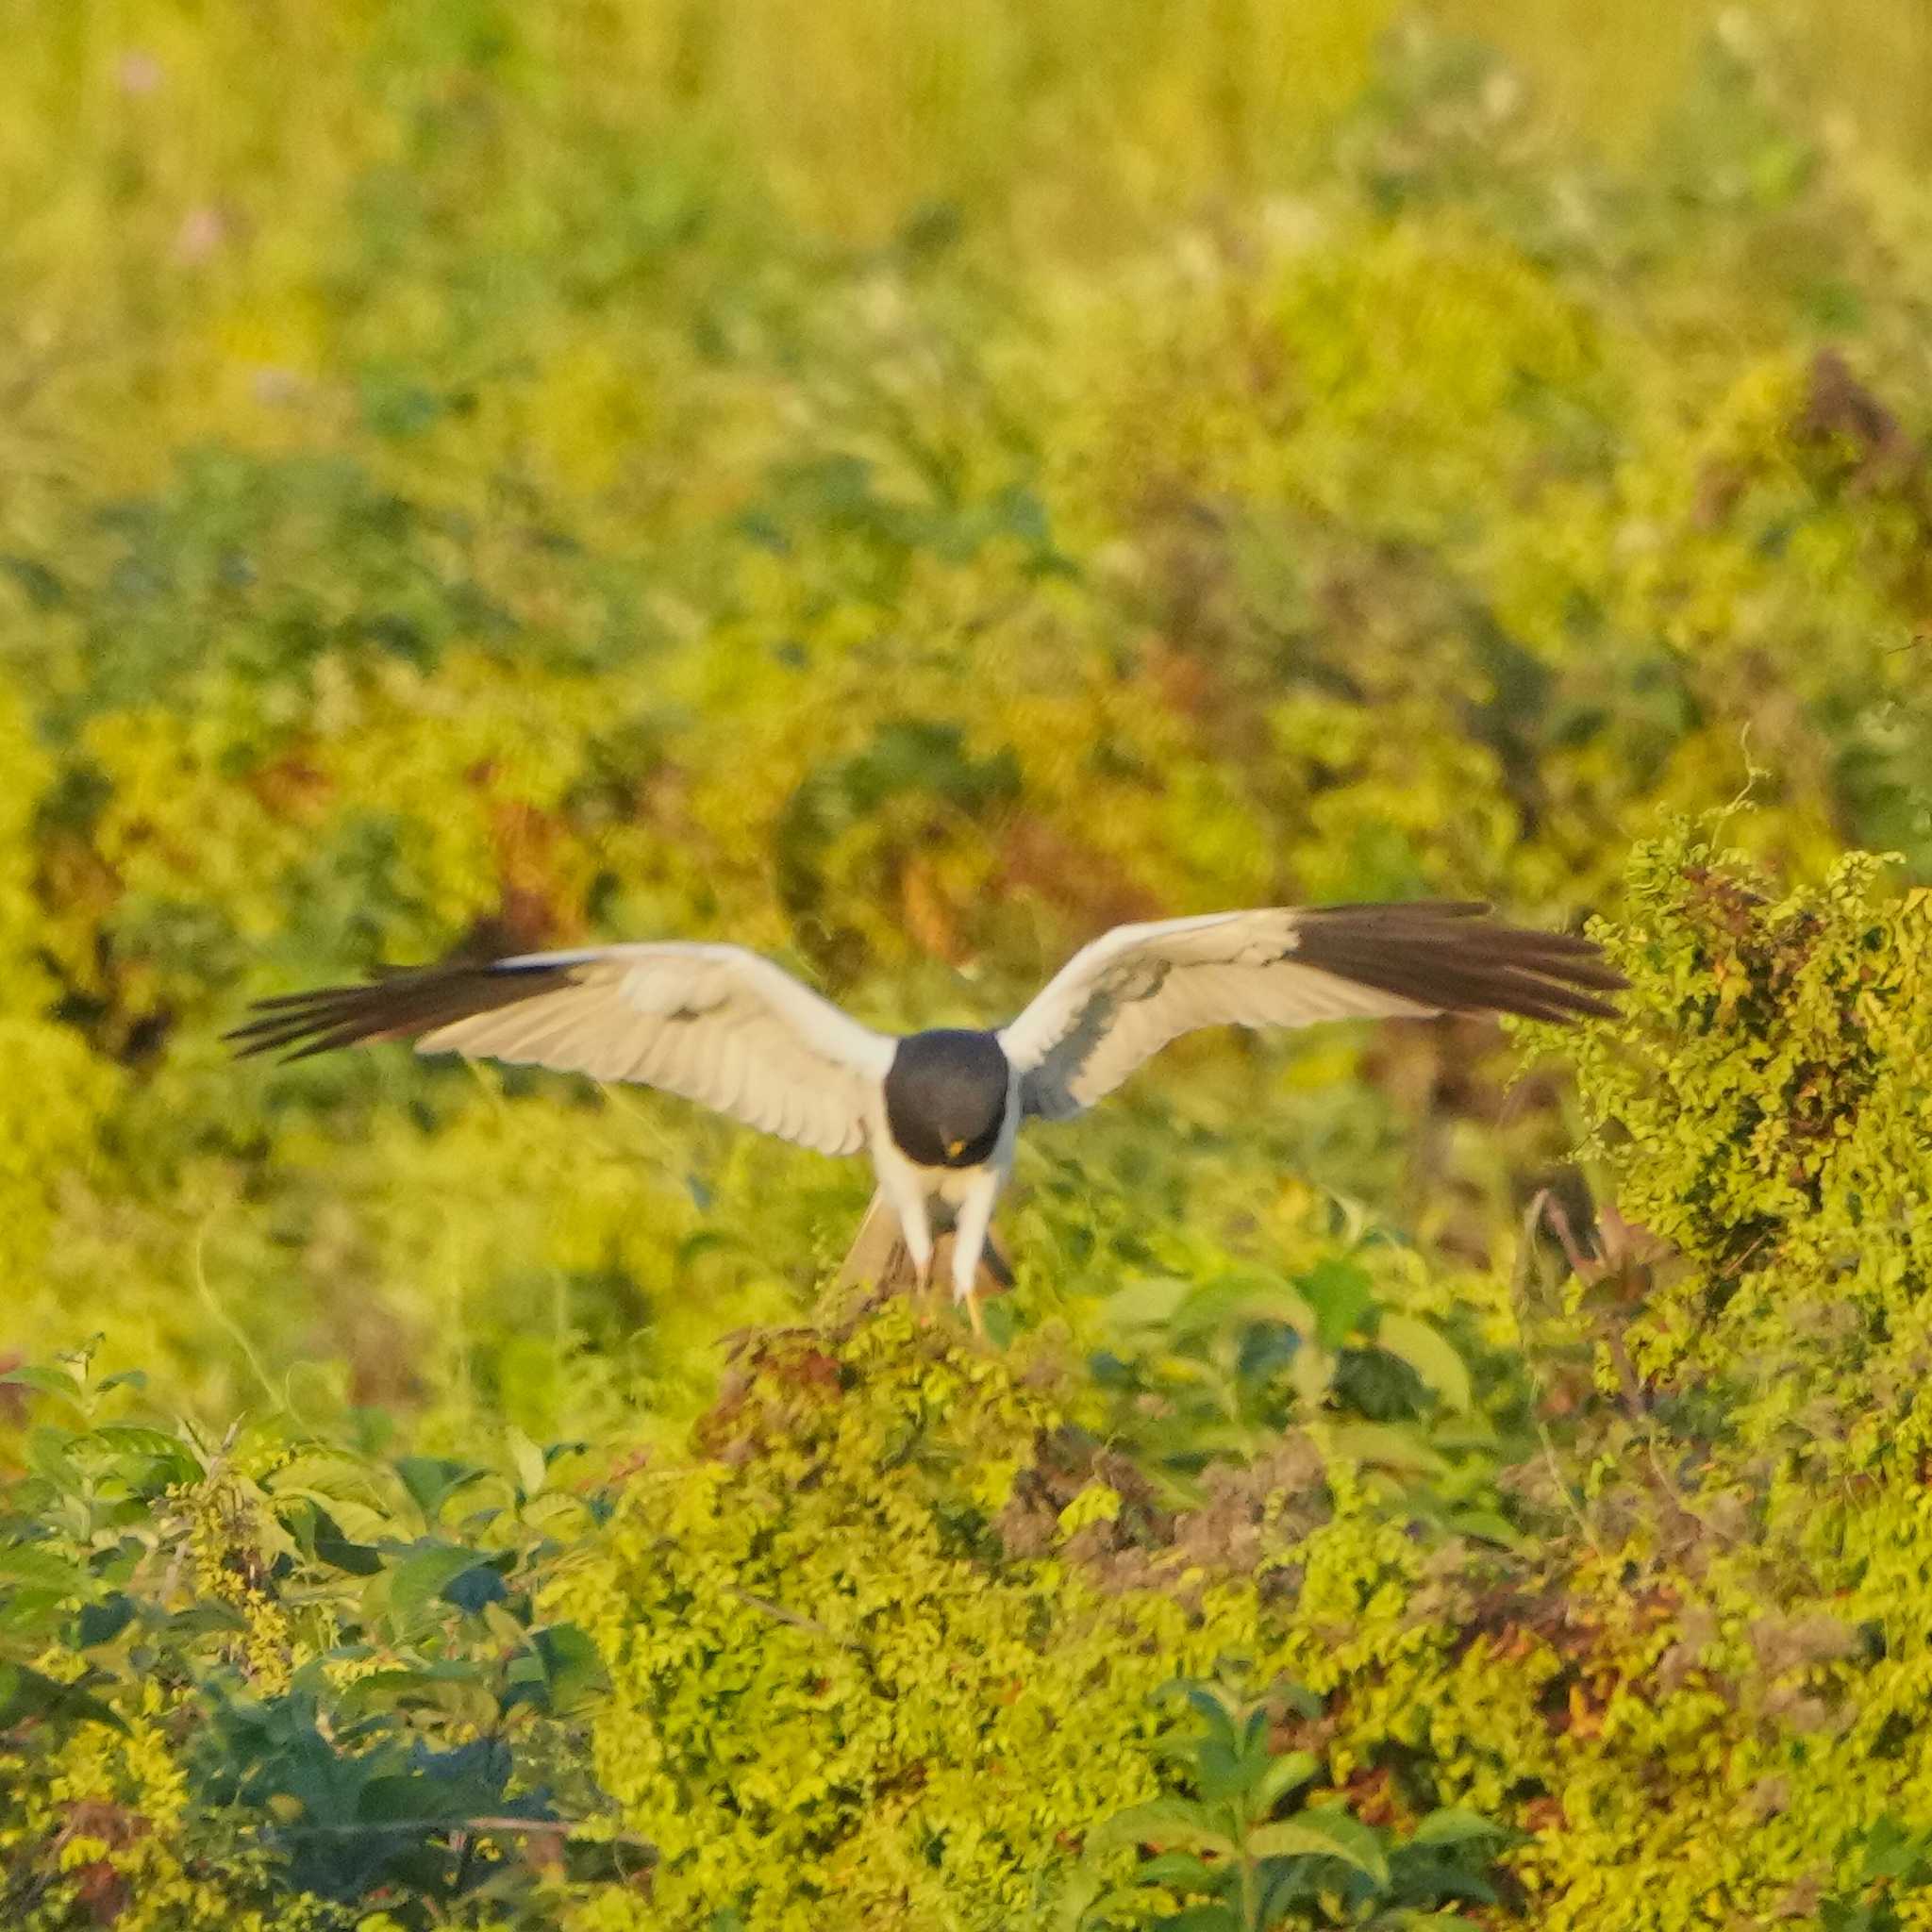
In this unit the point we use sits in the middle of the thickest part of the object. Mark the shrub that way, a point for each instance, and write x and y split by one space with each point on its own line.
891 1630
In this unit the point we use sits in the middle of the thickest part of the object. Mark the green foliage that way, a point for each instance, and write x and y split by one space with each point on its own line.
1890 1861
843 1644
1246 1870
891 1627
563 472
272 1678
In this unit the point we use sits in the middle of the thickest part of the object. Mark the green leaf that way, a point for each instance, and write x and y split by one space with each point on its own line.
1288 1772
1218 1707
1220 1770
1149 1303
135 1439
432 1480
166 1459
44 1381
1455 1826
573 1666
1298 1697
1892 1849
358 1525
1214 1918
1489 1525
204 1619
1281 1305
49 1453
1323 1835
528 1459
419 1580
708 1241
401 1798
471 1589
1236 1300
420 1683
103 1621
25 1694
1081 1891
332 1547
1169 1822
1444 1372
40 1569
1180 1872
1387 1446
1340 1294
325 1472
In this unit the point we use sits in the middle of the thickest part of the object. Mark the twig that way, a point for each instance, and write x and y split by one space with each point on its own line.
795 1618
197 1255
482 1826
1538 1208
1635 1406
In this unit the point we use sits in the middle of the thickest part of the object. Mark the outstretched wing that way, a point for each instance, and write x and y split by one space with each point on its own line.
1123 998
714 1023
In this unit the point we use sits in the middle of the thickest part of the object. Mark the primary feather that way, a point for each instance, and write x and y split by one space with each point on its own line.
939 1110
714 1023
1123 998
724 1027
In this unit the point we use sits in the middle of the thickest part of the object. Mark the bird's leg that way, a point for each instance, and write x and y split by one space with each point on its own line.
903 1187
969 1244
919 1246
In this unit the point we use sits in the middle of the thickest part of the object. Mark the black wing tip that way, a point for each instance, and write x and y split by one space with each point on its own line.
1451 955
305 1030
399 1004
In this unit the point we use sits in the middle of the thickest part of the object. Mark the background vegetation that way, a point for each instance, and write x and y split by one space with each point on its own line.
904 487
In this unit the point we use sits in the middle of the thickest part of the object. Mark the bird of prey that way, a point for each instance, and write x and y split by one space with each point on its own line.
939 1110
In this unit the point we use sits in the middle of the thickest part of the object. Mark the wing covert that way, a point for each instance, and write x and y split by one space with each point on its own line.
713 1023
1121 999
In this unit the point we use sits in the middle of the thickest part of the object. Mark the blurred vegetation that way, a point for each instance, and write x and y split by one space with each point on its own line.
903 488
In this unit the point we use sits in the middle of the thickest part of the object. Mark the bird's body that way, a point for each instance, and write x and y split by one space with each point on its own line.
940 1112
951 1118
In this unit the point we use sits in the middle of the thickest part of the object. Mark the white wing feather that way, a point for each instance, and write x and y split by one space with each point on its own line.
1125 996
726 1028
1118 1001
713 1023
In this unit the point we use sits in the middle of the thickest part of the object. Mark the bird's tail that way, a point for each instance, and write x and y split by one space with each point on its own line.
878 1256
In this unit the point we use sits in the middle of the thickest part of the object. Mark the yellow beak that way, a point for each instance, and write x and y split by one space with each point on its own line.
953 1148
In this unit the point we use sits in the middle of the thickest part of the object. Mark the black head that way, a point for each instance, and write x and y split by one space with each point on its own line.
946 1096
